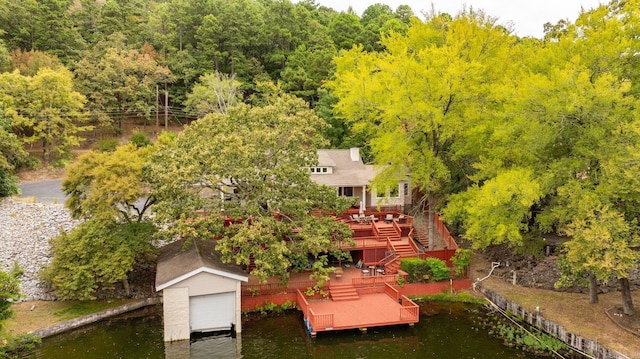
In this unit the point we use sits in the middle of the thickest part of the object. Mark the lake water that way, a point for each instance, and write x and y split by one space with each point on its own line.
445 330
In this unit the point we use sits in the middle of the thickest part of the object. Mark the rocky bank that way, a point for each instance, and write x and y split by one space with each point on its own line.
25 231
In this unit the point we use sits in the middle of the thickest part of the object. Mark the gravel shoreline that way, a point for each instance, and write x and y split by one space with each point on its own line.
25 231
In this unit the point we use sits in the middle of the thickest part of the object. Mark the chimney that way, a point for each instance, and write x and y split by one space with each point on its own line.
355 154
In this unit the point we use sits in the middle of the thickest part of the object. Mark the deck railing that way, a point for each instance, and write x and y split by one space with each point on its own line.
391 292
320 321
444 232
364 242
302 303
409 309
388 258
315 321
396 227
376 280
276 288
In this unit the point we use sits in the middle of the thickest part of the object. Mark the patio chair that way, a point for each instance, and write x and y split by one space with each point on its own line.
388 218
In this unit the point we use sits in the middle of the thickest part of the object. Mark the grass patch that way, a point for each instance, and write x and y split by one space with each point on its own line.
75 309
459 297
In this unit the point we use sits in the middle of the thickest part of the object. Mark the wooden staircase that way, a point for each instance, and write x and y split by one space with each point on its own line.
421 232
344 291
389 232
402 250
393 266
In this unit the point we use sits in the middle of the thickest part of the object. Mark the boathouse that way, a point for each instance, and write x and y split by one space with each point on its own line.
200 293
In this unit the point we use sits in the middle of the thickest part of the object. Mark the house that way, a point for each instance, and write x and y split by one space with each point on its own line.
344 170
200 293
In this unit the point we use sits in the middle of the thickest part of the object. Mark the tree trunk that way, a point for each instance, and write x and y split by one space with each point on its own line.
431 221
627 301
127 289
593 289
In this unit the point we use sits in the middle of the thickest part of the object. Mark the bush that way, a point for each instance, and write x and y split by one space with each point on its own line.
461 260
421 270
9 294
108 145
139 139
416 269
438 268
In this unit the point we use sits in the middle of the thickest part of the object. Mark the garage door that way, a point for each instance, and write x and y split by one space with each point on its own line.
212 312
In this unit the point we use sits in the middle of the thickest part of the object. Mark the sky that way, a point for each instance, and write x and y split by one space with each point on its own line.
526 16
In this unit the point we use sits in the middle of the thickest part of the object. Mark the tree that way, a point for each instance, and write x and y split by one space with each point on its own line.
346 30
95 256
12 157
602 246
214 93
53 113
30 62
109 186
414 101
247 169
120 83
9 294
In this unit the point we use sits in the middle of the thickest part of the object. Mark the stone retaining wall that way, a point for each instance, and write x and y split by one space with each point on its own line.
574 341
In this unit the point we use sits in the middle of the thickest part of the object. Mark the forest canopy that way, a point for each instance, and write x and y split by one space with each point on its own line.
509 138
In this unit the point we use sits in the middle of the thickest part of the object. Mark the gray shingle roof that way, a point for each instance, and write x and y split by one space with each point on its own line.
346 172
177 260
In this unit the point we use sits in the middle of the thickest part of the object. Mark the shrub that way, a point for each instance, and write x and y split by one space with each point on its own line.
416 268
108 145
421 270
438 268
461 260
139 139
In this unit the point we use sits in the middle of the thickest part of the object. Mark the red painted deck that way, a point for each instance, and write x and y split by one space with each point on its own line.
378 304
356 300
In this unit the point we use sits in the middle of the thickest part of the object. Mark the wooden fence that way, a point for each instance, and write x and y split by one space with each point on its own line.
574 341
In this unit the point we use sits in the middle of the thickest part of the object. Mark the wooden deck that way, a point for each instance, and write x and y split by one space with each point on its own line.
377 303
358 298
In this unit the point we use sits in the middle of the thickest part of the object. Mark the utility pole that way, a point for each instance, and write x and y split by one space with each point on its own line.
157 130
166 108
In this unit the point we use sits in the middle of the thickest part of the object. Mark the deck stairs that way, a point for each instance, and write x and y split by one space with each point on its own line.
421 232
343 291
389 232
402 250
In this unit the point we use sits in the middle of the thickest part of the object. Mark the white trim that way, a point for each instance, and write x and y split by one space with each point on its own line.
201 270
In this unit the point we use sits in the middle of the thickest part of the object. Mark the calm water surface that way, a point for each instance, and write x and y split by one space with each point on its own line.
446 330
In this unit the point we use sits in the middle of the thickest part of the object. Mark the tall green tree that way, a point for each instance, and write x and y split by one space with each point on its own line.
52 113
346 30
120 83
214 93
95 256
109 186
415 100
248 167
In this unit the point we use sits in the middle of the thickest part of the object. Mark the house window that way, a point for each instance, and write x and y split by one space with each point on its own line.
393 192
345 191
406 189
388 192
317 170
